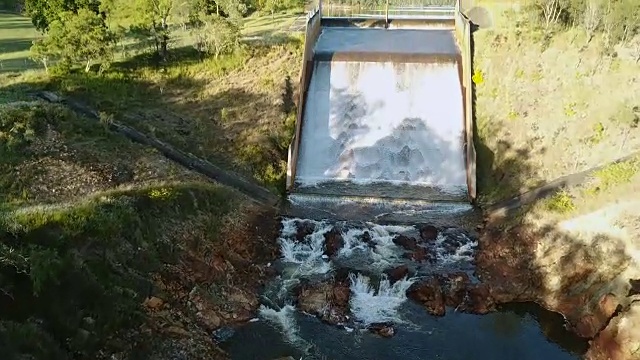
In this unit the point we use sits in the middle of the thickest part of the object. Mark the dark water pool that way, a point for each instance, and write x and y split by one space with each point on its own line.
522 332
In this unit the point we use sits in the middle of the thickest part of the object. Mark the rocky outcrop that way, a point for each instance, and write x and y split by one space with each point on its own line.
397 273
620 340
304 228
428 233
333 242
579 267
383 329
405 242
453 290
415 251
328 300
429 293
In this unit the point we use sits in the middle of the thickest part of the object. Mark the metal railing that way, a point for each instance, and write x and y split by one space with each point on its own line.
389 9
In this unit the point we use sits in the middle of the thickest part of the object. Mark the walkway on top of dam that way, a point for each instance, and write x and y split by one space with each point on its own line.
380 42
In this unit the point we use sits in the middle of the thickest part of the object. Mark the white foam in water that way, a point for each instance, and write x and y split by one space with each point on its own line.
370 306
463 253
368 303
284 319
307 254
384 122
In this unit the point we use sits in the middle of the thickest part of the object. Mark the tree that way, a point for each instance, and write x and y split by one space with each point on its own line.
76 38
44 12
592 19
155 17
216 36
551 10
182 12
41 52
621 21
270 6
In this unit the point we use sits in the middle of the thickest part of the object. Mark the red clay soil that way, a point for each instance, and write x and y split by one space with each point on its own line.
206 290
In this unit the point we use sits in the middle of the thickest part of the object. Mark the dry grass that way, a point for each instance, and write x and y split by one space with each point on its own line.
548 107
227 110
69 158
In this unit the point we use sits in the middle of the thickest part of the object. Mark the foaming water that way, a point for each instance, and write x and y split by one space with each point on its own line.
283 318
383 211
366 248
398 124
367 251
370 305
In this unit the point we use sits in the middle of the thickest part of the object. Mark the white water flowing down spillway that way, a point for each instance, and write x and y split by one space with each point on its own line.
375 238
383 122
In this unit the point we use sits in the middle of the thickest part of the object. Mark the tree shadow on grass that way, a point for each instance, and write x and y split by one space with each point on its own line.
8 46
177 106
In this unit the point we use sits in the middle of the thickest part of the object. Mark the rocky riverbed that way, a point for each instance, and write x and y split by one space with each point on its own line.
394 282
405 283
584 268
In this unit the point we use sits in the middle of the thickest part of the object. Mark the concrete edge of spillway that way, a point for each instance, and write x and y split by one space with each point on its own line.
364 56
458 24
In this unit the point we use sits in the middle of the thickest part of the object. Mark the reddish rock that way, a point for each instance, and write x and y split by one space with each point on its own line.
405 242
620 339
341 295
479 300
383 329
397 273
456 289
590 324
429 233
506 263
419 254
428 293
304 228
328 301
333 242
517 265
313 299
608 305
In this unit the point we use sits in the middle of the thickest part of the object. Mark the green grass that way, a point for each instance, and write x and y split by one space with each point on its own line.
90 260
219 109
87 217
616 174
561 202
260 24
16 36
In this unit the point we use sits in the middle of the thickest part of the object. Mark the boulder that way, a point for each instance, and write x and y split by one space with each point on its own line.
428 293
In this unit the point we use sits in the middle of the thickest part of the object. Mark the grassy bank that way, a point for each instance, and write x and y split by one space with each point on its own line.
74 274
549 102
109 249
235 110
92 226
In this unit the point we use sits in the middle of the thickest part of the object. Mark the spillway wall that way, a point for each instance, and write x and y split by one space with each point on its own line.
398 143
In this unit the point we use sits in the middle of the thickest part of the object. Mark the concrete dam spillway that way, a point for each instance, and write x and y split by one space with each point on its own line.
375 237
383 114
384 122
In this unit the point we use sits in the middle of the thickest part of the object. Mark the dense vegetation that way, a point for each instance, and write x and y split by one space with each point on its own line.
86 31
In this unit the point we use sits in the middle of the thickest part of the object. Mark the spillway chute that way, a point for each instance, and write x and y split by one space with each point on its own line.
385 107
